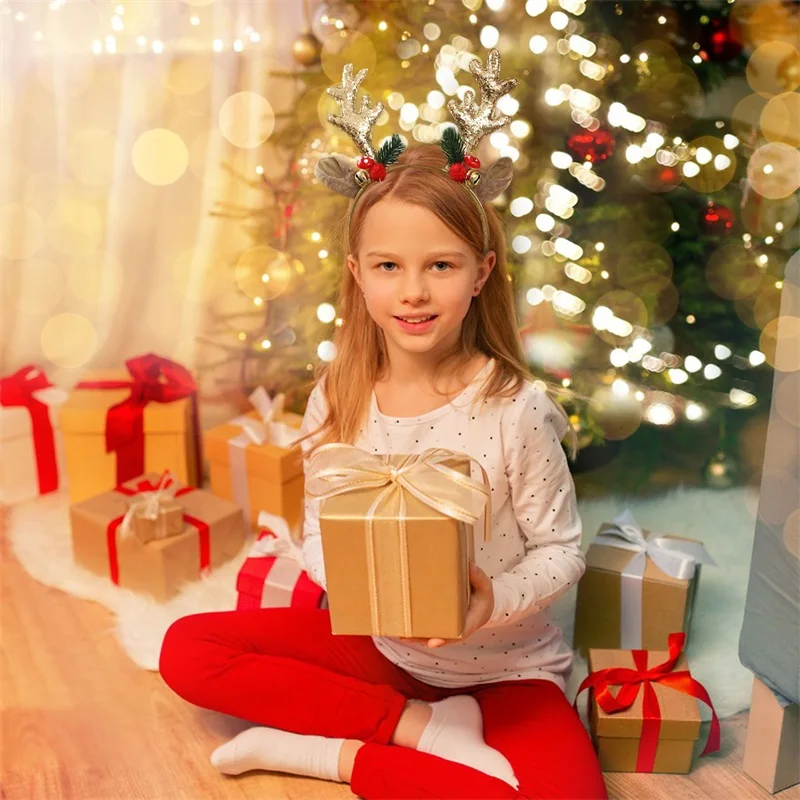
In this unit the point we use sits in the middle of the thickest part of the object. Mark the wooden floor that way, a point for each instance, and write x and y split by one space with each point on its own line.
80 721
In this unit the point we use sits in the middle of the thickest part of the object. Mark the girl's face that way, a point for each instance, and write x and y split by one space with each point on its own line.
418 277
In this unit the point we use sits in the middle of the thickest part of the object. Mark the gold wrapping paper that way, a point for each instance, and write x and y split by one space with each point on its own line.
397 537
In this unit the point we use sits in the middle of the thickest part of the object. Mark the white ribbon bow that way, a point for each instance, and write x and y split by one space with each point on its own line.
147 504
258 432
675 557
282 544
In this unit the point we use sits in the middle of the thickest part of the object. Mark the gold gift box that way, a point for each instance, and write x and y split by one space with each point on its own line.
667 602
274 474
161 567
438 553
617 736
168 520
169 437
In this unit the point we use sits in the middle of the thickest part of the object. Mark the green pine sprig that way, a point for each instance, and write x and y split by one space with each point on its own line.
453 146
390 150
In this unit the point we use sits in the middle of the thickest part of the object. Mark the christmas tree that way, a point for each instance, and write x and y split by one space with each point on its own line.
650 219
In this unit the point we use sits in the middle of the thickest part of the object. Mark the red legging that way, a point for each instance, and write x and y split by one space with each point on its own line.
282 667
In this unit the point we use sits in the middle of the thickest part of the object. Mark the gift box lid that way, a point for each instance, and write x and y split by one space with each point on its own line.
198 503
680 714
267 460
615 559
85 409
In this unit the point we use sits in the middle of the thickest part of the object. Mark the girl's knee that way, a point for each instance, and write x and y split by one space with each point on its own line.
178 661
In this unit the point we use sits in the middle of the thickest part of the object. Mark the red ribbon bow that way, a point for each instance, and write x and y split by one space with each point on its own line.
17 390
145 485
154 379
629 681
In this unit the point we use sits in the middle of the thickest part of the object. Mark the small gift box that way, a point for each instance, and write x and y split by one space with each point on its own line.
397 537
252 461
272 576
213 533
652 722
120 424
637 589
31 447
157 514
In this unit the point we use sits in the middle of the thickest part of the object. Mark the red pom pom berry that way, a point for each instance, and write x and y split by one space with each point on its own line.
458 172
472 162
365 162
377 172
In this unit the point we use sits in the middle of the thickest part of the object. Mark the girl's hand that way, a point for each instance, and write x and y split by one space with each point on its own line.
481 606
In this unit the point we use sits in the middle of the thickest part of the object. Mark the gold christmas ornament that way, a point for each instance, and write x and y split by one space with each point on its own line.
474 177
306 49
362 177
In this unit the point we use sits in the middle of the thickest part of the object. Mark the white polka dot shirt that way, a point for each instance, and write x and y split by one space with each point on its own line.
534 554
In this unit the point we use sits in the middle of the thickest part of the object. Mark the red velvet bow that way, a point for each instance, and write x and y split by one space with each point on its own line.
153 380
629 681
17 390
144 485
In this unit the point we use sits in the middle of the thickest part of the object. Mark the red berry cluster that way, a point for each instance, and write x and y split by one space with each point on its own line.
377 171
460 170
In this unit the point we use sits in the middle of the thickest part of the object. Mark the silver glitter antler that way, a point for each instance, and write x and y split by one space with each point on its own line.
473 121
357 124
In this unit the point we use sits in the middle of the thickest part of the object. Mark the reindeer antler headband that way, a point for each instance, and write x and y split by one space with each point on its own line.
473 122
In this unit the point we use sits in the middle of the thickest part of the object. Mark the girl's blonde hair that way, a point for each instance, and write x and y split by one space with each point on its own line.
489 326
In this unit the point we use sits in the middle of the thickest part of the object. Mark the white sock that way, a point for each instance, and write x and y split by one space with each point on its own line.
455 732
279 751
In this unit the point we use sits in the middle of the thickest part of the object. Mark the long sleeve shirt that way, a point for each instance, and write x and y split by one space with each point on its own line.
533 555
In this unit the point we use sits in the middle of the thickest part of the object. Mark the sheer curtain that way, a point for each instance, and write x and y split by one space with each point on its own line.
116 120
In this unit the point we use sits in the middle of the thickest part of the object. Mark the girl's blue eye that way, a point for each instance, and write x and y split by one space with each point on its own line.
387 264
445 264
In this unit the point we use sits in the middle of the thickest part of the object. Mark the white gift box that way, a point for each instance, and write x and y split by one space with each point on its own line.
19 467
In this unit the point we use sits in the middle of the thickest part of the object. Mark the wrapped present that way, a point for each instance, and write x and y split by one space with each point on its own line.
252 461
638 588
397 537
272 576
157 514
213 533
652 723
118 425
31 447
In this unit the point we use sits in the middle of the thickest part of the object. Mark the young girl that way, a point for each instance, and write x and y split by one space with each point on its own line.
428 356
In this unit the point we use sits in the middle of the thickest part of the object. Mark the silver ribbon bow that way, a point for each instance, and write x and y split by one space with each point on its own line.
676 557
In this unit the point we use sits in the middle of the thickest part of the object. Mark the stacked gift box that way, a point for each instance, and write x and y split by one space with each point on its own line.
252 461
638 587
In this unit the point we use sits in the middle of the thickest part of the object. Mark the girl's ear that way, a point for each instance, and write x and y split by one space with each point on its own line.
485 268
352 265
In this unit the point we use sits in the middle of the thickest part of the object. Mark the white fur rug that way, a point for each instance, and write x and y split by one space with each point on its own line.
725 521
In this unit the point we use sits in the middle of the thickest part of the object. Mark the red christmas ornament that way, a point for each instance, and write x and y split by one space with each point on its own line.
365 162
377 172
458 172
472 162
716 219
591 146
719 41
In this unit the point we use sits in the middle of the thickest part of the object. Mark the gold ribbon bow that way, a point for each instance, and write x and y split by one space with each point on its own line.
335 469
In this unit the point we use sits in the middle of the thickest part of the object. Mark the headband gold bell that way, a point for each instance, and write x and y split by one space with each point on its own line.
473 121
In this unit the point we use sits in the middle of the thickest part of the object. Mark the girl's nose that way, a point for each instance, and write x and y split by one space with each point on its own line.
414 290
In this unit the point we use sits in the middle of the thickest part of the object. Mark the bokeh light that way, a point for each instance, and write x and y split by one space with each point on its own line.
710 177
159 156
774 170
68 340
769 70
75 227
22 231
348 47
780 343
246 119
263 272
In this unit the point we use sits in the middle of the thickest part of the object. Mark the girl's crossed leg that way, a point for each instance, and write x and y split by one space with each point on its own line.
255 665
